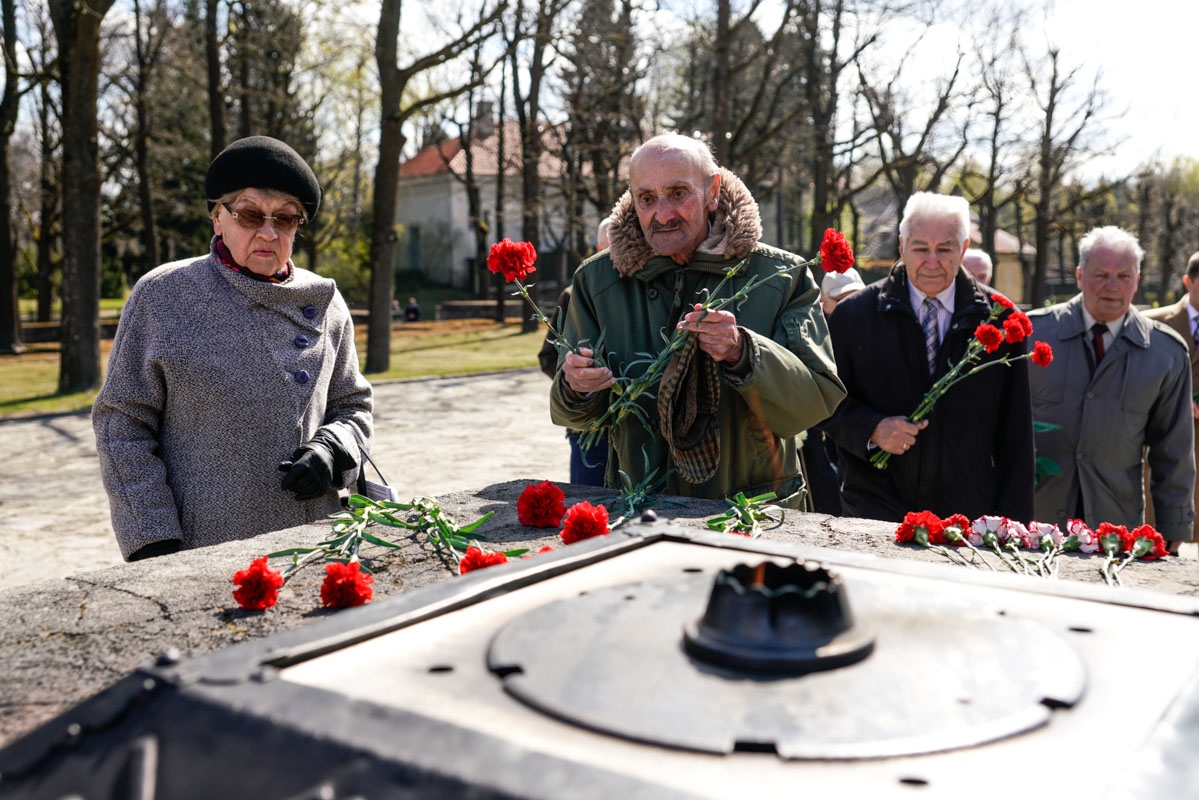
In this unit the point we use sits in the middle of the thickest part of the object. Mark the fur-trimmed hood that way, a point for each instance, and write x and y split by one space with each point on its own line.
736 227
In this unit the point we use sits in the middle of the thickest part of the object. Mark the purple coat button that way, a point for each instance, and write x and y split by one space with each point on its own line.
302 376
301 341
309 312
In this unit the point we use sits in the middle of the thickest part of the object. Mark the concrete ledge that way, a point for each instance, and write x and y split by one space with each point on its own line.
64 640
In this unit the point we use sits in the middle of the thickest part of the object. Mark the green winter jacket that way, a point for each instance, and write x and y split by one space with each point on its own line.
636 298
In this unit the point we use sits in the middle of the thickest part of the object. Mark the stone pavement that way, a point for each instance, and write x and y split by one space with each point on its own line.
432 436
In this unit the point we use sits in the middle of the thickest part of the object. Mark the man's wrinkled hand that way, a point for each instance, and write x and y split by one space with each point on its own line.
717 332
896 435
581 375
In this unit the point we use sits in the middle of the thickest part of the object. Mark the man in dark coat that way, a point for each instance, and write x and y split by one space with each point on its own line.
974 453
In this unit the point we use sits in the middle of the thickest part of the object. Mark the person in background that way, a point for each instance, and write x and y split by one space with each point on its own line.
229 368
586 469
819 453
893 340
1119 382
978 264
412 311
1183 317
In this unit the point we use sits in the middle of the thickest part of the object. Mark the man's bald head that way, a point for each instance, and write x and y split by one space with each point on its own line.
694 150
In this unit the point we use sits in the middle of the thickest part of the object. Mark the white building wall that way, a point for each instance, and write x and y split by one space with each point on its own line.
437 205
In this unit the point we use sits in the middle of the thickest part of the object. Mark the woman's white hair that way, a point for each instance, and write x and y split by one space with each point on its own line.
231 198
1113 238
929 205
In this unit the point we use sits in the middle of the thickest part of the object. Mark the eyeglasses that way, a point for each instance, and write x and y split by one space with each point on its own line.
253 220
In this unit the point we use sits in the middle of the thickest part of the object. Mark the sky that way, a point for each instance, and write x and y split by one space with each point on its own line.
1147 55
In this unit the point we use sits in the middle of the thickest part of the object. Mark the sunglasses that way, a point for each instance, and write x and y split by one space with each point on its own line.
253 220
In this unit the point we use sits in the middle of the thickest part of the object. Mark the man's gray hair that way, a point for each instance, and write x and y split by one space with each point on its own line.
677 141
981 255
929 205
1111 237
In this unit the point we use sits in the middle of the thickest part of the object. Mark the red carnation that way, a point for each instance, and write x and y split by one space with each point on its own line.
1042 354
934 529
962 523
479 559
989 336
258 586
1156 545
513 260
1003 301
835 253
345 585
1017 327
540 505
545 549
1111 537
584 521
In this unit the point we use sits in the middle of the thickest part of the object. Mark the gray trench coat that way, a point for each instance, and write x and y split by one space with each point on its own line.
214 378
1139 396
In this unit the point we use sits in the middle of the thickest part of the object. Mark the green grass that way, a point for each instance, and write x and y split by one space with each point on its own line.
28 306
491 348
28 385
28 382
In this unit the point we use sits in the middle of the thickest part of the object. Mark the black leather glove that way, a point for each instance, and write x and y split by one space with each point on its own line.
312 466
154 549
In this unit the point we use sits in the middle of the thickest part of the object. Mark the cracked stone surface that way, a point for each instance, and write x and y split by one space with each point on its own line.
63 640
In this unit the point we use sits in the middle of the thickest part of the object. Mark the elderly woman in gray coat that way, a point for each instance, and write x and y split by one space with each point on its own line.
230 368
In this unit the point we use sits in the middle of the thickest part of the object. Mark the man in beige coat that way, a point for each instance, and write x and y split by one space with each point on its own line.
1183 317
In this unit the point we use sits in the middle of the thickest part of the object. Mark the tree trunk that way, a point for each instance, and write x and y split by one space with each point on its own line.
48 200
150 258
77 26
10 316
721 91
501 170
383 235
216 98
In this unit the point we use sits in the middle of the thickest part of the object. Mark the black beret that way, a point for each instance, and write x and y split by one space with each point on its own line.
260 162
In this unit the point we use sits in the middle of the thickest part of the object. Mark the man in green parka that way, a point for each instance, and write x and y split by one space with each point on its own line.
732 405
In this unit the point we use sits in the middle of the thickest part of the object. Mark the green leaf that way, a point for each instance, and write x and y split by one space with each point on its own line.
1046 467
370 537
475 524
358 501
515 553
291 551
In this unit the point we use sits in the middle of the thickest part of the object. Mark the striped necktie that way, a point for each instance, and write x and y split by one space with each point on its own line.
932 334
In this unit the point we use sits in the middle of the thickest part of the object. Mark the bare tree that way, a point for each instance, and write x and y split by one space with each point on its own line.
831 165
1061 141
216 96
146 47
527 106
916 161
394 82
77 27
10 315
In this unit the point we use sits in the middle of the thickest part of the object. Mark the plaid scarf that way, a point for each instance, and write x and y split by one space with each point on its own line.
688 399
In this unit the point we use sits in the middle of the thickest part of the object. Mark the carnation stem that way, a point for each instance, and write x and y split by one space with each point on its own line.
629 390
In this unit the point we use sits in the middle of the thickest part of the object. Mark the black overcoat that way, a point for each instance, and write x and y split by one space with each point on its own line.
976 455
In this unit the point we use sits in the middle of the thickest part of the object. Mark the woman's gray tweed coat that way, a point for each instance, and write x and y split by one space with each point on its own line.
214 378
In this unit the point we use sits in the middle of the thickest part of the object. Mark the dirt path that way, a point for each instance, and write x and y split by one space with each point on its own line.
431 437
